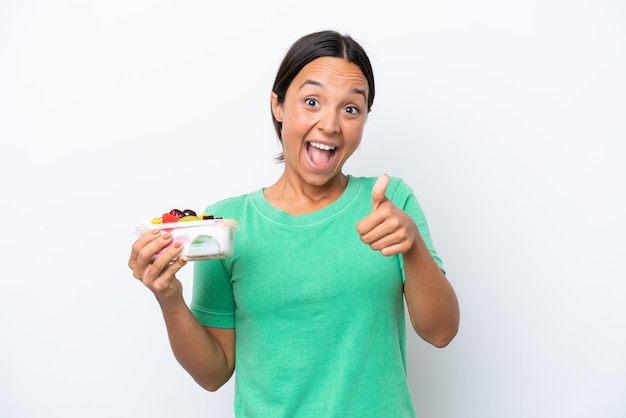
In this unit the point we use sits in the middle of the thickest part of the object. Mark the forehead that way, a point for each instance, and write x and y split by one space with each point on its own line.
332 72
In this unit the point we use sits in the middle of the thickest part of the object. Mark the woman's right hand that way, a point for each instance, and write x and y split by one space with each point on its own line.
158 275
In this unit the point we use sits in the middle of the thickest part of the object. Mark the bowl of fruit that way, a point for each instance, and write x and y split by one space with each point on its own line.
204 237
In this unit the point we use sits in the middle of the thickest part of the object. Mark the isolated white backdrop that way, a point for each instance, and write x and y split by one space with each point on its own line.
507 118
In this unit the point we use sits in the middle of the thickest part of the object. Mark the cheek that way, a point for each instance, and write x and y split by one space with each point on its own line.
296 123
354 132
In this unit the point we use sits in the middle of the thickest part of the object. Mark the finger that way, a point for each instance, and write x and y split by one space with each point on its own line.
379 190
177 264
164 266
144 256
140 243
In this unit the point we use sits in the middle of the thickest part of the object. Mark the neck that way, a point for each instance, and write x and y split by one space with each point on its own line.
297 197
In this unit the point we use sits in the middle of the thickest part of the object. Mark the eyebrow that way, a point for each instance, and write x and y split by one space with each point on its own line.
318 84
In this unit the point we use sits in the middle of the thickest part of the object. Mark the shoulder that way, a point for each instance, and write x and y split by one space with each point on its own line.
396 187
231 206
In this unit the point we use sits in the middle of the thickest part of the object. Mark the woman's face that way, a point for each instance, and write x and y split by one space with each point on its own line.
322 117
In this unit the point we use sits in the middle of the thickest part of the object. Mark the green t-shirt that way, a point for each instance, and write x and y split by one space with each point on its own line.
319 314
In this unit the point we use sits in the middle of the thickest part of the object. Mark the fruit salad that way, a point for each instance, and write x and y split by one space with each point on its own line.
204 237
177 215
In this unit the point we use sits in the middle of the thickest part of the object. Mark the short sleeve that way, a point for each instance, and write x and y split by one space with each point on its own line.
212 299
403 197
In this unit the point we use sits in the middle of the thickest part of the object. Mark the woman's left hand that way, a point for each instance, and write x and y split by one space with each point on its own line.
387 228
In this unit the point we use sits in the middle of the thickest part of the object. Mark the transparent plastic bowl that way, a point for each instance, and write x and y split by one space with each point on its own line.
202 240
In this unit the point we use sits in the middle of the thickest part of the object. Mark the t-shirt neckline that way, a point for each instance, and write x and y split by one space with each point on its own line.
333 209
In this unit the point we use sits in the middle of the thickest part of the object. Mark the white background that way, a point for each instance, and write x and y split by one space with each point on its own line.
507 118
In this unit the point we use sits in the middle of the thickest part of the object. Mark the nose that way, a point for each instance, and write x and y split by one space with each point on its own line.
329 122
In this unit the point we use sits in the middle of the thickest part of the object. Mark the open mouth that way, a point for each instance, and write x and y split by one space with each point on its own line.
320 154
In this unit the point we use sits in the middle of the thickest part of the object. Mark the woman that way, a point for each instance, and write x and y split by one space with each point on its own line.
310 306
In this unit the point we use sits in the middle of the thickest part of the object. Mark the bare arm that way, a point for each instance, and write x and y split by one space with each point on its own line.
431 300
207 354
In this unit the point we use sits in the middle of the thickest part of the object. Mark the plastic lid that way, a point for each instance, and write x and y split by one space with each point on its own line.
148 226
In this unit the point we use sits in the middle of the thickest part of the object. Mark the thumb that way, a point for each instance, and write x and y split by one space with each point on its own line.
379 190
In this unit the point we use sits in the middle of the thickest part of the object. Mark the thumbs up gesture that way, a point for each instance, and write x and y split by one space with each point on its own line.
387 228
379 190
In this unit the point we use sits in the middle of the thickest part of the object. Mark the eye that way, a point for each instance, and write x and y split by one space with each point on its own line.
353 110
311 102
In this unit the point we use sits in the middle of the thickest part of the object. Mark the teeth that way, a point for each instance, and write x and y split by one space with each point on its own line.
321 146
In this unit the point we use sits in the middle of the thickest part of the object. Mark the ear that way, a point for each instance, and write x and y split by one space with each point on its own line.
277 108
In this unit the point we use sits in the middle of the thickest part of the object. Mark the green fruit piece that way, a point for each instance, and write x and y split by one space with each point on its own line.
188 218
204 245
